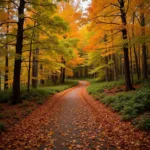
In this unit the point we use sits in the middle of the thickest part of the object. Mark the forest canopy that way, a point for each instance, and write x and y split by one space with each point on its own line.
44 42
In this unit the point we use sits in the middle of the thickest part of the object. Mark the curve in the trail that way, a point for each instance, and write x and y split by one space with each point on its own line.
75 124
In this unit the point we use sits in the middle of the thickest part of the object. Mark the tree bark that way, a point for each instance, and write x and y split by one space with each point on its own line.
6 69
131 65
144 55
0 81
135 54
106 69
30 55
125 47
136 62
19 44
6 56
115 68
35 69
41 69
62 74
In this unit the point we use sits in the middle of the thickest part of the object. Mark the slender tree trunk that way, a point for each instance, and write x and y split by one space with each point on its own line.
6 57
136 62
125 47
54 78
0 82
30 55
19 45
41 69
114 58
115 68
131 66
106 69
144 55
135 54
6 69
62 74
35 69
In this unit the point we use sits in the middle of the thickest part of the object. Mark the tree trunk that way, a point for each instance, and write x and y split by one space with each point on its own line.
6 69
54 78
131 66
136 62
0 82
125 48
139 60
115 68
106 69
30 55
6 57
41 70
135 54
114 59
19 45
144 55
62 74
35 69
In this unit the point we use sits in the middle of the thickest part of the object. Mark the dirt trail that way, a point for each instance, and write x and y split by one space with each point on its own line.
73 120
75 125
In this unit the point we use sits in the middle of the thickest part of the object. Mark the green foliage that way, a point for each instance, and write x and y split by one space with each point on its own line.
5 96
108 100
33 94
130 105
37 94
99 96
98 87
143 122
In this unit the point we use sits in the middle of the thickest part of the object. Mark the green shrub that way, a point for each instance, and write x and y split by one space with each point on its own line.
39 93
143 122
129 112
99 96
142 97
108 100
98 87
5 96
129 104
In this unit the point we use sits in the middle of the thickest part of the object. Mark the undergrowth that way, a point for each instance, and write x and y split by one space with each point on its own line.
131 105
38 94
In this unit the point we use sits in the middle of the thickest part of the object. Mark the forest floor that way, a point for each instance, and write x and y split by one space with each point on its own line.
72 119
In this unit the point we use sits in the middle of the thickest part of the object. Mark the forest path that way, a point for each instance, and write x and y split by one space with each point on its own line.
72 119
74 124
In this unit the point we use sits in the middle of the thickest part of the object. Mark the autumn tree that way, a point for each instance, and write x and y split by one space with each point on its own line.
114 13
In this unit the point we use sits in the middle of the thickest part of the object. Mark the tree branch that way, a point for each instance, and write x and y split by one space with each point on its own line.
7 23
31 27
